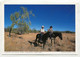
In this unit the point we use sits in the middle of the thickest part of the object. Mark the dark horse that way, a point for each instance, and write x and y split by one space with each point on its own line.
46 36
54 35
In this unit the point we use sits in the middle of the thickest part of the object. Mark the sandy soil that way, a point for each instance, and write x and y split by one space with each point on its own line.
22 43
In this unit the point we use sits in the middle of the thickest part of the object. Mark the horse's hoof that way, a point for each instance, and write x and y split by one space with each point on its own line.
49 49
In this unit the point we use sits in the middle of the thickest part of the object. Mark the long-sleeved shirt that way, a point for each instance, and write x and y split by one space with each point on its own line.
51 31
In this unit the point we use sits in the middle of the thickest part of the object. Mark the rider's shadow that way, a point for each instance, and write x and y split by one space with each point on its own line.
33 43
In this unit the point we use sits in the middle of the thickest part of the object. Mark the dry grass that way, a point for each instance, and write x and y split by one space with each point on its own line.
20 43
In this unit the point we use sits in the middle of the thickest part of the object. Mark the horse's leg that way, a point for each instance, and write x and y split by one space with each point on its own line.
44 44
54 42
51 42
38 42
47 41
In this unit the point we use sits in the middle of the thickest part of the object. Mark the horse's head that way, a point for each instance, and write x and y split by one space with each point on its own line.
59 34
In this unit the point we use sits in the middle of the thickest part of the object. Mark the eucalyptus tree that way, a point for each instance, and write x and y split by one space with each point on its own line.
21 19
24 23
15 19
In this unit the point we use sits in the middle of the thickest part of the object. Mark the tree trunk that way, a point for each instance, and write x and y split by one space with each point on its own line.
10 32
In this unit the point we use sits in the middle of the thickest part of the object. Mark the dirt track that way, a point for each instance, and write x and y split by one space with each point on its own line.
21 43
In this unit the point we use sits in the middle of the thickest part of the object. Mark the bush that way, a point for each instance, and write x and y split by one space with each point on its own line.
64 31
68 32
34 31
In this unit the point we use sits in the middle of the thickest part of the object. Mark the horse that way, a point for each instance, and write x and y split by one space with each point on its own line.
54 35
46 36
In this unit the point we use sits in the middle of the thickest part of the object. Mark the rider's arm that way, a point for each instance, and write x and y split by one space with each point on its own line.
48 30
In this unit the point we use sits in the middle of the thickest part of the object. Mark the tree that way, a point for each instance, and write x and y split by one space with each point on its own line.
21 19
24 23
14 18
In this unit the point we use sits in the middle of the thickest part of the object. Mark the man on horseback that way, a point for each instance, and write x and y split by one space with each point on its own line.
50 30
42 32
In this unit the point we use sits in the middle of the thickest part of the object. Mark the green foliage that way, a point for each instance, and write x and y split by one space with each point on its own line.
57 31
17 15
65 31
22 20
25 13
34 31
14 17
14 30
24 23
68 32
32 13
23 28
7 29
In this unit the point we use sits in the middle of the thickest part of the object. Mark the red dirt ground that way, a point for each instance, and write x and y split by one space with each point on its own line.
20 43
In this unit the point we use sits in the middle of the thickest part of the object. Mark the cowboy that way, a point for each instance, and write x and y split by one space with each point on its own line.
42 31
50 30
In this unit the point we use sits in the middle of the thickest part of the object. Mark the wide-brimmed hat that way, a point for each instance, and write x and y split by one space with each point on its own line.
42 26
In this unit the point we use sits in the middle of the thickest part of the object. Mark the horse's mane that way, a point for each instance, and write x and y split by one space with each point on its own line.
57 34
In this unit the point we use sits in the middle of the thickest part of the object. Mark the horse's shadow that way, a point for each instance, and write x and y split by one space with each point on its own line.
33 43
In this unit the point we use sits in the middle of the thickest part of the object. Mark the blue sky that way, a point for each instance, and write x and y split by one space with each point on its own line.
61 17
